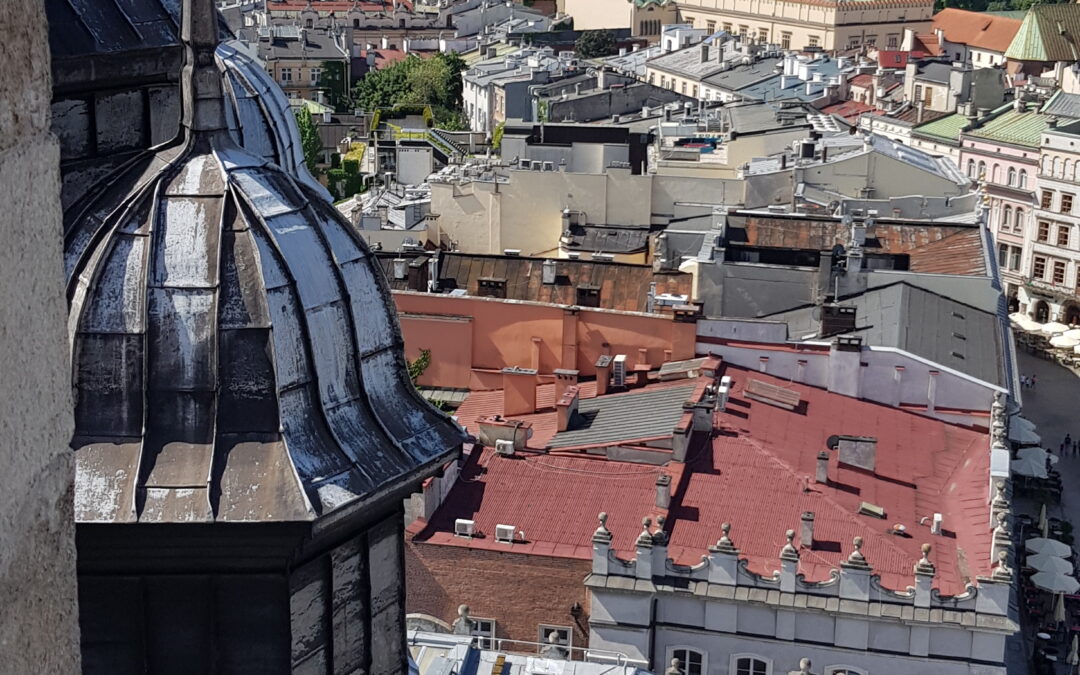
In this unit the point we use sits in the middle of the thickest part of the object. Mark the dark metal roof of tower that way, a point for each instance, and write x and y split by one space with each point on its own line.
235 351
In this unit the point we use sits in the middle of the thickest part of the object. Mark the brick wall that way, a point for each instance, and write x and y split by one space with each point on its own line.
519 591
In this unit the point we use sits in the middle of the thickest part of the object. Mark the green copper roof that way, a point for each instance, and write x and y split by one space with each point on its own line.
947 127
1049 33
1017 128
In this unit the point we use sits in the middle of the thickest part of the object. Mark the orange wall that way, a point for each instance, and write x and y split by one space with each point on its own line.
477 337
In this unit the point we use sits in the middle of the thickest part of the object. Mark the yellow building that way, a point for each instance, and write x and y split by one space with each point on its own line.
643 17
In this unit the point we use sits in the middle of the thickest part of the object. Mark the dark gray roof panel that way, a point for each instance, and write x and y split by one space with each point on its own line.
625 417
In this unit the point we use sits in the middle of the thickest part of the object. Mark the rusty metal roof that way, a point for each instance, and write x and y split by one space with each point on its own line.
622 286
235 353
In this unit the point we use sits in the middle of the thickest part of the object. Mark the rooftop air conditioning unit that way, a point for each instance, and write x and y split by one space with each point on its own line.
505 533
618 371
504 447
512 251
464 528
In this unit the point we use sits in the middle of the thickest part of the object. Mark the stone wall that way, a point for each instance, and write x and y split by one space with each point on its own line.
39 619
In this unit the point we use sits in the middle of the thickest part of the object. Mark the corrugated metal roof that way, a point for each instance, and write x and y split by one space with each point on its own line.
1015 127
948 127
610 419
1062 104
1049 33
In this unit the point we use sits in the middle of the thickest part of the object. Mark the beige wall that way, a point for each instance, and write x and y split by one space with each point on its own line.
38 612
595 14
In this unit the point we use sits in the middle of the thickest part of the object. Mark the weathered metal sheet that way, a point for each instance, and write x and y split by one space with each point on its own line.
242 298
247 393
186 245
181 336
303 252
313 450
258 483
267 192
329 336
349 575
376 331
109 385
176 505
120 295
105 475
290 351
308 604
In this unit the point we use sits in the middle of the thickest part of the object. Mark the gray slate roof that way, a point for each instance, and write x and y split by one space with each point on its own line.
609 419
918 321
1062 104
743 76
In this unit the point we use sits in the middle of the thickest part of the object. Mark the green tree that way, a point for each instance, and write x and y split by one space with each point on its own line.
595 43
309 140
497 136
434 82
332 82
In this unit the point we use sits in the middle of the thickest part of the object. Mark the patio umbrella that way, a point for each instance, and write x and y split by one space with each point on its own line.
1074 653
1055 582
1045 562
1059 608
1038 454
1049 547
1028 467
1062 342
1018 434
1073 333
1053 328
1044 526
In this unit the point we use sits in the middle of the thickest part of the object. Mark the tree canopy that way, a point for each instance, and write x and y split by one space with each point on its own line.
434 81
309 140
595 43
332 82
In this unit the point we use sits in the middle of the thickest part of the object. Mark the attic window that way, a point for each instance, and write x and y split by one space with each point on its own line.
868 509
958 315
957 355
588 296
958 336
491 288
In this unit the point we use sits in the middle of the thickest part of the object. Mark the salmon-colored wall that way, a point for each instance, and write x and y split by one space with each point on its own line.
500 334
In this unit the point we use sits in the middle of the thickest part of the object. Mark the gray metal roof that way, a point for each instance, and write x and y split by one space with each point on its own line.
1062 104
624 417
918 321
934 71
742 76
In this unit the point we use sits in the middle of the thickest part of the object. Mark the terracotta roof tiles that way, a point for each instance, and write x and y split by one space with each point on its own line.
977 29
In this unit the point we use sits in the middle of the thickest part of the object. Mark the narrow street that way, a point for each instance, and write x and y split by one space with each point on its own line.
1054 406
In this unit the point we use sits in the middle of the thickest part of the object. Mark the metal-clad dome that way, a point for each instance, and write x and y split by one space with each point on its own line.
235 351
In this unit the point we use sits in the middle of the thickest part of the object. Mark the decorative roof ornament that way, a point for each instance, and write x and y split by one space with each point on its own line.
1001 530
645 538
725 545
857 559
924 566
660 537
1000 501
1002 572
789 552
602 534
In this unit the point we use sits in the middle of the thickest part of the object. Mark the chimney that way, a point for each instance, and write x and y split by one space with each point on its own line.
564 379
845 365
806 537
566 407
642 357
385 42
548 270
836 319
822 475
920 107
519 391
857 451
663 491
326 117
935 526
603 374
704 53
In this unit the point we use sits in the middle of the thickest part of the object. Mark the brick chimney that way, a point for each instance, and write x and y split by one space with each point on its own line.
564 379
519 391
806 537
566 407
822 474
603 374
663 491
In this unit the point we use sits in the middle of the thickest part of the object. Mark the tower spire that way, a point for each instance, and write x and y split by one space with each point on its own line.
200 81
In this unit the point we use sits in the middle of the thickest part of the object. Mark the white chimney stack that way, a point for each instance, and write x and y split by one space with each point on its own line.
935 527
806 538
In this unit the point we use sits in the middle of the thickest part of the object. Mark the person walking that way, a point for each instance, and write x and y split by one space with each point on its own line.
1033 381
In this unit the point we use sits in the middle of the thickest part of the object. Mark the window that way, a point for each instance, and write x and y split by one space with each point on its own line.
691 661
1012 177
1066 203
710 27
1059 272
684 86
588 296
1044 231
663 81
1063 236
893 42
763 35
316 75
652 78
813 41
1006 217
1038 267
743 30
785 40
871 40
286 74
1018 225
971 163
982 170
1047 199
485 630
744 664
996 174
727 27
1014 260
695 91
1003 255
843 670
1023 178
564 633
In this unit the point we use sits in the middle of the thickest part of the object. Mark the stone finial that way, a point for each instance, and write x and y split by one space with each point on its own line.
659 536
1000 501
645 538
463 625
724 544
804 665
675 669
857 559
924 566
1001 531
789 552
602 534
1002 572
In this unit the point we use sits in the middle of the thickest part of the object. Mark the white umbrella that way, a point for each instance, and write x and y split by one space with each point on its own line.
1073 333
1053 328
1048 546
1044 525
1045 562
1021 422
1028 467
1062 342
1021 435
1074 653
1038 454
1055 583
1024 321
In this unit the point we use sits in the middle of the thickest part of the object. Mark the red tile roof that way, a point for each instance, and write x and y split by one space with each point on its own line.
927 44
758 474
850 110
893 59
386 57
977 29
864 80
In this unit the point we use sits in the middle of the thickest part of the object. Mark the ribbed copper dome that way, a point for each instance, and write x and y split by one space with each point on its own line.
235 351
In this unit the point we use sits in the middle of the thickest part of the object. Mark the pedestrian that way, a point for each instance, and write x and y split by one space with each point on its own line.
1034 381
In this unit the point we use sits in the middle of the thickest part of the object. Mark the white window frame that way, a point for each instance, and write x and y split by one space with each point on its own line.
748 655
546 628
487 640
675 648
845 670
